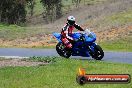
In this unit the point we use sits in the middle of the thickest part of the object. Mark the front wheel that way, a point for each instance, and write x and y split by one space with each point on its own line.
62 51
98 53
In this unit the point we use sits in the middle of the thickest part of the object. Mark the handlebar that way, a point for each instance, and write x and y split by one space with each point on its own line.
82 37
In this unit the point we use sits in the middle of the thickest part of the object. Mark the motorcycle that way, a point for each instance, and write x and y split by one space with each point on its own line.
85 46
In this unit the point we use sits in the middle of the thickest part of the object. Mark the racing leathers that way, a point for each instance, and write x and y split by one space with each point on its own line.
66 33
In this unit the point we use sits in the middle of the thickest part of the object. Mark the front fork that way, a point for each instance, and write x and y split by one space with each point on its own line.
91 48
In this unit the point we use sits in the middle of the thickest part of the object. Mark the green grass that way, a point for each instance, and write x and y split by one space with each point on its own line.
122 44
120 18
61 74
11 32
115 20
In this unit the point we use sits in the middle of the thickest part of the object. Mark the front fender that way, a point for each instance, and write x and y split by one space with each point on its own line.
92 46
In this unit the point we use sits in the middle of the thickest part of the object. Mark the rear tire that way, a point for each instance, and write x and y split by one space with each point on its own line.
59 48
62 51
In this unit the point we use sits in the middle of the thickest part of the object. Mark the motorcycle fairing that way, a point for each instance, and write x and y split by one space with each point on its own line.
80 48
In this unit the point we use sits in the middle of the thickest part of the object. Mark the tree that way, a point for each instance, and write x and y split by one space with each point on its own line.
12 11
77 2
31 4
52 10
58 9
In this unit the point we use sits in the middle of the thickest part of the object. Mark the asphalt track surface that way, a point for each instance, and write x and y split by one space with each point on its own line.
121 57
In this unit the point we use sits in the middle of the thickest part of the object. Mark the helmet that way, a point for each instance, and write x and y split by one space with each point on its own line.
71 20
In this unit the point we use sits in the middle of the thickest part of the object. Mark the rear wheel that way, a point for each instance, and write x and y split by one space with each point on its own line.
62 51
98 53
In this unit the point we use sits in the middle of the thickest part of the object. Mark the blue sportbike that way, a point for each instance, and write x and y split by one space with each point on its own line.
85 46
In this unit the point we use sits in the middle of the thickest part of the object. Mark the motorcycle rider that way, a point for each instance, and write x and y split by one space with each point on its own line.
67 31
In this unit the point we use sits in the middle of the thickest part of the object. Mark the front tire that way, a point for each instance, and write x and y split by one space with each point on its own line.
98 53
62 51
